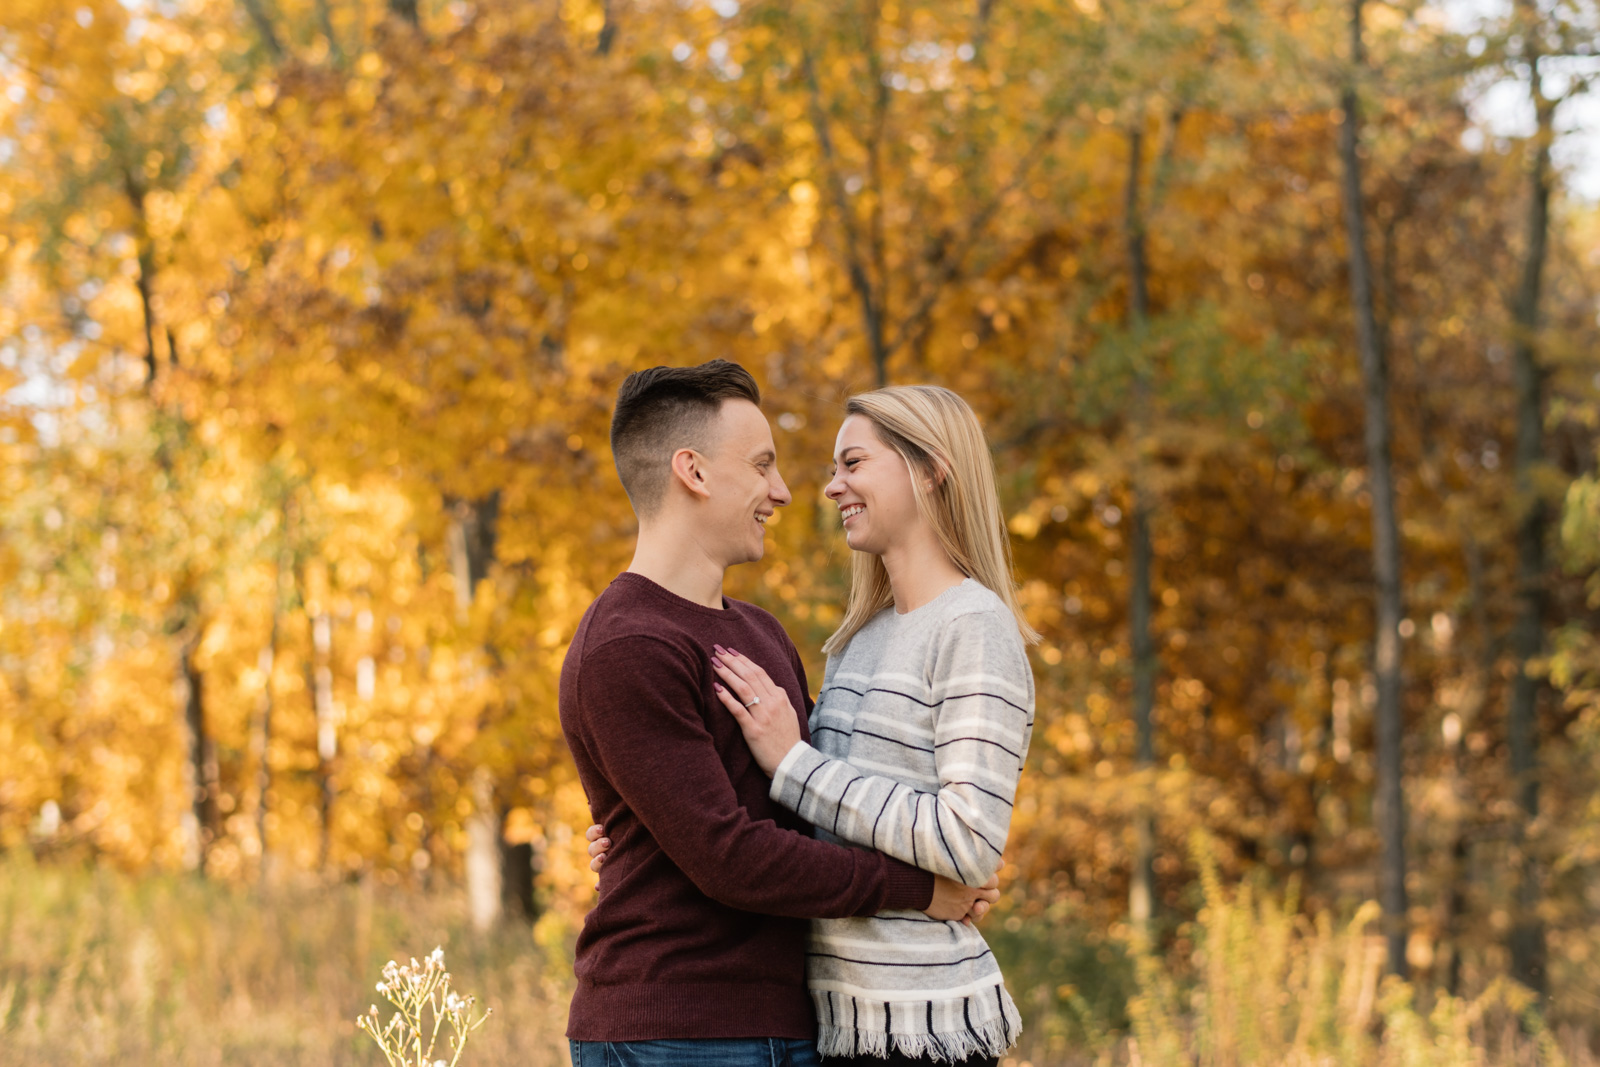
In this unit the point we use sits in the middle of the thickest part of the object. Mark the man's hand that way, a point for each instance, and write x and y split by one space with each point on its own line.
599 843
952 900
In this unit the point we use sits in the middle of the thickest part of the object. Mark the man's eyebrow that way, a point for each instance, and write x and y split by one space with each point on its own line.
767 456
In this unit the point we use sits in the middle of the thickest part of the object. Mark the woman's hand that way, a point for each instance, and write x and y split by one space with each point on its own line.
599 844
761 707
952 900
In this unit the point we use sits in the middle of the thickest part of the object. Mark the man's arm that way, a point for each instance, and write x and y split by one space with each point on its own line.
653 747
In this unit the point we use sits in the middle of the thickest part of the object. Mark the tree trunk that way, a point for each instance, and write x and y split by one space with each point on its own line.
262 739
1527 939
519 868
872 311
202 761
407 10
1141 891
145 282
496 874
608 28
320 670
471 537
325 22
261 744
1390 798
1141 886
1480 669
484 854
263 24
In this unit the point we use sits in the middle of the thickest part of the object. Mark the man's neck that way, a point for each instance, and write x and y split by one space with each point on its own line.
679 565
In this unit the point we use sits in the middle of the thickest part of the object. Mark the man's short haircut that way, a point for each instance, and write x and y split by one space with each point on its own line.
663 409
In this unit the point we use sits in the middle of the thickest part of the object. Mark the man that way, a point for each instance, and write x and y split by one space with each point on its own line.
695 950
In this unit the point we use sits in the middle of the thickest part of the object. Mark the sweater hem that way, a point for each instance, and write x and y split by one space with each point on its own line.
990 1039
638 1011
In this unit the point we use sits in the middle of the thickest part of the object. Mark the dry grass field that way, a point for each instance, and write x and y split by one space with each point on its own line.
101 969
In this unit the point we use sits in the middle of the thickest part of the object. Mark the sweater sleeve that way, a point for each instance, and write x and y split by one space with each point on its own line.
654 749
983 722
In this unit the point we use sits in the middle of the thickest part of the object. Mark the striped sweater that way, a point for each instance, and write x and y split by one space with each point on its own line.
918 739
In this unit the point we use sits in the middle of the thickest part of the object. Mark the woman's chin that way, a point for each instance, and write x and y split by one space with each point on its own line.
861 544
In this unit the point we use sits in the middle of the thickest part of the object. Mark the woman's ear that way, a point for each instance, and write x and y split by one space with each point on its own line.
688 471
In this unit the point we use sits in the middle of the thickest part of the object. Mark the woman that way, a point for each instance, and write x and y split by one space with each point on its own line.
919 734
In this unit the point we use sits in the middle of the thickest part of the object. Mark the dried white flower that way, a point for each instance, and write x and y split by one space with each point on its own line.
423 1001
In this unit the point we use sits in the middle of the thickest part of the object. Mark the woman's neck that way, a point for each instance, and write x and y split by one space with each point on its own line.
919 570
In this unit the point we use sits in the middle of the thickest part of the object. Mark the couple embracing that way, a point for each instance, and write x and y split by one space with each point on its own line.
782 880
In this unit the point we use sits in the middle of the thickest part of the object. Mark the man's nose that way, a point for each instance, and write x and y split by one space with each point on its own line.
779 494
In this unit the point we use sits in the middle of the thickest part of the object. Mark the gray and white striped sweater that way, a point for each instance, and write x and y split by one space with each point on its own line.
918 739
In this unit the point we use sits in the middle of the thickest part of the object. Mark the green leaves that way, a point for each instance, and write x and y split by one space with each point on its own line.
1187 367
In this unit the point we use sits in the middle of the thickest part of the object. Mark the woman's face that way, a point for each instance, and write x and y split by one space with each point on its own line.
872 488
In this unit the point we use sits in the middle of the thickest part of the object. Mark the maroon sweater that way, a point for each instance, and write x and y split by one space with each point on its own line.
700 927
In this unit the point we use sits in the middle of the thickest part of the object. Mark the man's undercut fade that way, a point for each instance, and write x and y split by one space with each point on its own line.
663 409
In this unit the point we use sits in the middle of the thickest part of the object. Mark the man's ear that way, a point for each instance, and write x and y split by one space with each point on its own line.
688 471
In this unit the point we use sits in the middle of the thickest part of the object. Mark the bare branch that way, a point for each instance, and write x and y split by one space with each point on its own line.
871 310
915 322
263 24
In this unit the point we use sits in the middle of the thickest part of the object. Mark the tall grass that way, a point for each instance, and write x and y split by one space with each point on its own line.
97 968
1272 986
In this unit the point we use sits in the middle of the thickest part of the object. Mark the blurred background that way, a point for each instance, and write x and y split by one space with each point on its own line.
1281 316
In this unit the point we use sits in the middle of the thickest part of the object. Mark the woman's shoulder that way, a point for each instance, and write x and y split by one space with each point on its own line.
976 624
977 606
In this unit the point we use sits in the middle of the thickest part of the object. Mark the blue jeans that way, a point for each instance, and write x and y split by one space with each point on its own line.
696 1052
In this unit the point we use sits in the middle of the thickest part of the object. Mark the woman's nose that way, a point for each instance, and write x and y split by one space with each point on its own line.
833 490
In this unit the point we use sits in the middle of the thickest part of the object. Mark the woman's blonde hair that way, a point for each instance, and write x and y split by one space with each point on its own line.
938 436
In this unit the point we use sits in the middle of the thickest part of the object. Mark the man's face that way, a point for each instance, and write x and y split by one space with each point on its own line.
744 484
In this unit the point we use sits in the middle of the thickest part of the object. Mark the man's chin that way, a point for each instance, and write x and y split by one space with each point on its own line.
751 554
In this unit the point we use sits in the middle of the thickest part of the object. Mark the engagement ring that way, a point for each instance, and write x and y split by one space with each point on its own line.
753 701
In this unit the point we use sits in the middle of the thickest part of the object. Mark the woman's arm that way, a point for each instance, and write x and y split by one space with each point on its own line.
982 726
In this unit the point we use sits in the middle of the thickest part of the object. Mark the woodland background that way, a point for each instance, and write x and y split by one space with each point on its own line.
311 313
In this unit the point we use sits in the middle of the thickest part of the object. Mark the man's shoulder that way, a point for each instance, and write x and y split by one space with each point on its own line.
620 620
757 616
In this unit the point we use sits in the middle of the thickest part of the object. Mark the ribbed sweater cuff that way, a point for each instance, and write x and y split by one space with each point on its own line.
907 887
